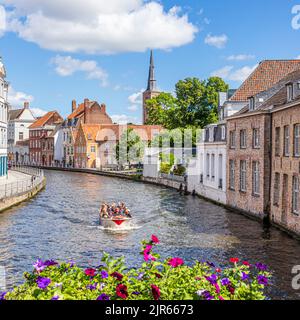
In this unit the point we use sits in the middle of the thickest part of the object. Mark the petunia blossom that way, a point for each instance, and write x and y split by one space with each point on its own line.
121 291
154 239
155 292
176 262
43 283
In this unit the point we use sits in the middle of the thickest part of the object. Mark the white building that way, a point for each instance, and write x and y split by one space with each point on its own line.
19 121
3 121
207 173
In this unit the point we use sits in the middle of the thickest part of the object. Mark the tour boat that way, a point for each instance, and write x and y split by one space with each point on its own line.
117 223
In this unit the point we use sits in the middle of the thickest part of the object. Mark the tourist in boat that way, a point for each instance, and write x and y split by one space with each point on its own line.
127 213
103 211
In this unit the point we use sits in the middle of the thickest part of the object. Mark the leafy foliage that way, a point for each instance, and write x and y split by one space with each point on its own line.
171 279
130 148
195 104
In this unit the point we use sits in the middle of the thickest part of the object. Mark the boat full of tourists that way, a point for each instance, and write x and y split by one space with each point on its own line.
116 217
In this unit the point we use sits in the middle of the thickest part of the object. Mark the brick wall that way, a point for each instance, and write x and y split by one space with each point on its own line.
247 201
289 165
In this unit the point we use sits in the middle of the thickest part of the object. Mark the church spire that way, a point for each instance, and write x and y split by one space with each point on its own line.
151 78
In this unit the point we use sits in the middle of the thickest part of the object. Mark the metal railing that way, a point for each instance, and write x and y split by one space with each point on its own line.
35 177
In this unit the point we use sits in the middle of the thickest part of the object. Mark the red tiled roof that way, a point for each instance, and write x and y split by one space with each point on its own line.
268 73
43 120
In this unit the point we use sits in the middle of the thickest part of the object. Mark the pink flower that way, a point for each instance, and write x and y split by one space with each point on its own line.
147 249
148 257
154 239
221 298
217 288
176 262
90 272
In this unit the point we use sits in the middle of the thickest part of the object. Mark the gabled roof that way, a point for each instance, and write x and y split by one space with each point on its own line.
43 120
79 110
14 114
267 74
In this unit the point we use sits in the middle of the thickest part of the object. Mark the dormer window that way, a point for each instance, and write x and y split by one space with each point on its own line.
290 92
251 104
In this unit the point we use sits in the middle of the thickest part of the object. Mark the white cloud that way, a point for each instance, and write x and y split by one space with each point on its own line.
136 101
124 119
17 98
99 26
239 75
240 57
216 41
2 20
37 112
67 66
298 57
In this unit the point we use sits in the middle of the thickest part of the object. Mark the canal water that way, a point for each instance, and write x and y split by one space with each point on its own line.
62 223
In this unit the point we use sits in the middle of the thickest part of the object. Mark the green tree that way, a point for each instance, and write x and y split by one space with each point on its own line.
130 148
195 104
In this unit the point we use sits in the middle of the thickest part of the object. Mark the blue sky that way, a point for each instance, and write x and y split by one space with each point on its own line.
52 54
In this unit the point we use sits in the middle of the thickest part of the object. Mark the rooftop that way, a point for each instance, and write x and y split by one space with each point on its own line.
266 75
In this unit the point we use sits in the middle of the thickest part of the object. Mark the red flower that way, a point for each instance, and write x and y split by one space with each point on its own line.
155 292
234 260
154 239
218 270
231 290
176 262
121 291
246 263
117 275
90 272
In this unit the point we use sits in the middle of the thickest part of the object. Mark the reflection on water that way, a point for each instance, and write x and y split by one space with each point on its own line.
62 223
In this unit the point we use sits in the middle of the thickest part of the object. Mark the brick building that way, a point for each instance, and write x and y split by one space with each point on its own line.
38 133
285 186
254 151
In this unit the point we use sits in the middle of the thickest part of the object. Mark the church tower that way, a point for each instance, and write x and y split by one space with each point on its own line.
151 91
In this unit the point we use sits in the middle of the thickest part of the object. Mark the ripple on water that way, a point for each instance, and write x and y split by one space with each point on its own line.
62 223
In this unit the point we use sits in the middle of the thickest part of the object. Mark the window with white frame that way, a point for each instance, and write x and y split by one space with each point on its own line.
290 92
207 165
276 189
223 132
251 104
256 138
277 141
286 141
243 176
256 178
213 166
297 140
243 140
232 139
295 204
231 174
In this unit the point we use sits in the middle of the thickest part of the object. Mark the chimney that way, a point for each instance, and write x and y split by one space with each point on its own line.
26 105
86 105
103 108
74 105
